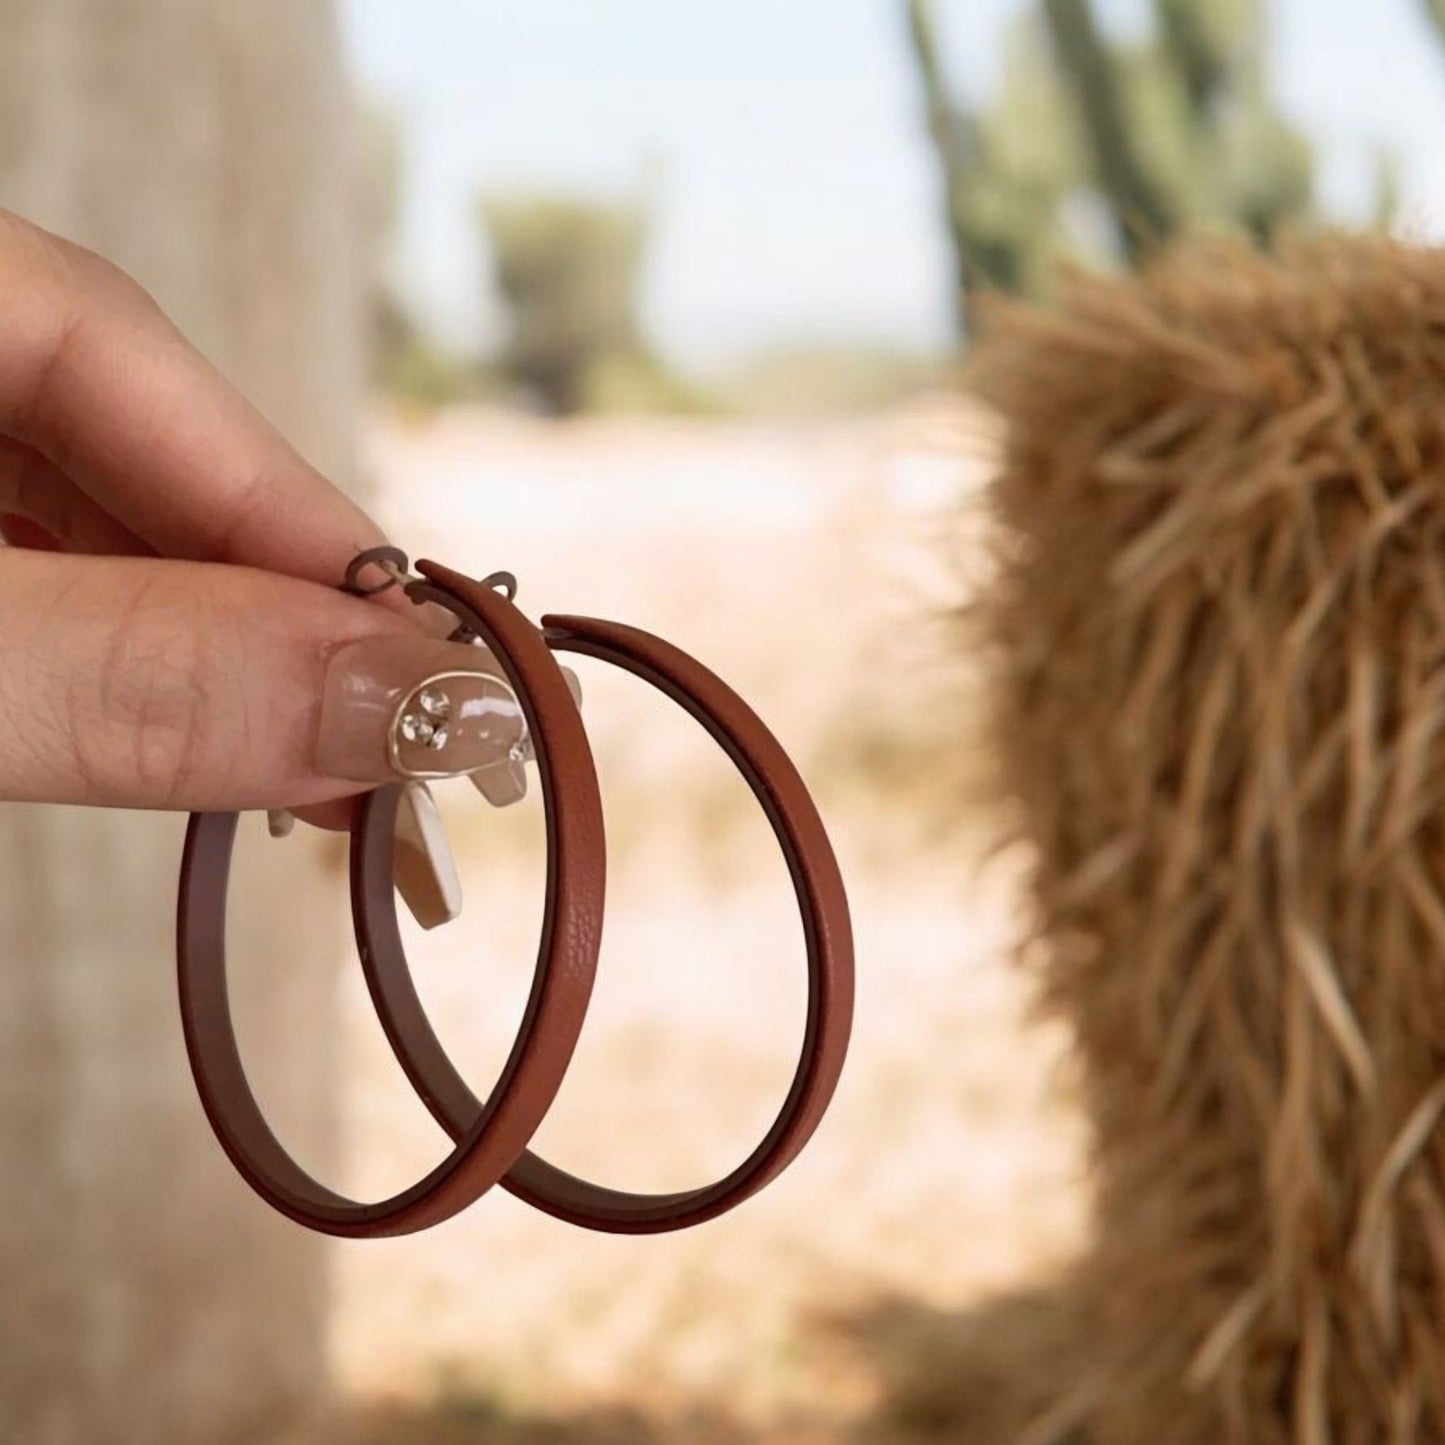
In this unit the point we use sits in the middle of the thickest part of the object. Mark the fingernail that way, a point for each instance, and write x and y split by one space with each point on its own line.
505 782
423 869
411 707
280 822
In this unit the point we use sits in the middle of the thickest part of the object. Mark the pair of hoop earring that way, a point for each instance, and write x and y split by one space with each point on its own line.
490 1137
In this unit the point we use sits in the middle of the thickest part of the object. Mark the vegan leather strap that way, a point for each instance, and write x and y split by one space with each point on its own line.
827 930
490 1138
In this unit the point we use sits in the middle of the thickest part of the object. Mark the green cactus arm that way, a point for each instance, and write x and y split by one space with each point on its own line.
1190 44
954 133
1141 214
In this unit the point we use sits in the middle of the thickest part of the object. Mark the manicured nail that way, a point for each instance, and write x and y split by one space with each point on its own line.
280 822
423 869
505 781
412 707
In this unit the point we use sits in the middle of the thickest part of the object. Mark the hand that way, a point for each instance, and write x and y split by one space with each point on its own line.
171 635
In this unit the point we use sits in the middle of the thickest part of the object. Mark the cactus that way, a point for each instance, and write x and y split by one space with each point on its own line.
1177 131
1141 210
1196 41
954 132
1257 170
1006 172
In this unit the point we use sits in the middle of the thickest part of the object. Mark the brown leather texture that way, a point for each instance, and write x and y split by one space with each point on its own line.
494 1136
817 883
491 1138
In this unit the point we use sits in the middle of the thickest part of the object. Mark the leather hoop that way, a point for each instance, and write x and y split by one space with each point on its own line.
828 933
494 1136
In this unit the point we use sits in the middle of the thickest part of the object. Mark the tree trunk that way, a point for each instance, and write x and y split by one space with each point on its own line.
148 1295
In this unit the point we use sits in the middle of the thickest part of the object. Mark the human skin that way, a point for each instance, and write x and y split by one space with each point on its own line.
169 612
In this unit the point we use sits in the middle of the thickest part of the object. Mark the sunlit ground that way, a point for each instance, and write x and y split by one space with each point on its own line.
813 565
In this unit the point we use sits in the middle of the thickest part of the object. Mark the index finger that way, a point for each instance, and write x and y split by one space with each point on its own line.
96 378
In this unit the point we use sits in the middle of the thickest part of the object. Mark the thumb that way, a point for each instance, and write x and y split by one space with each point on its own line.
145 683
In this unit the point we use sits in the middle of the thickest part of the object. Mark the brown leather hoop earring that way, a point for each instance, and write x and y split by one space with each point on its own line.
494 1136
828 933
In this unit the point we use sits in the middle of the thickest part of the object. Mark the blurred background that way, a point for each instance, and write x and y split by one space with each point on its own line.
665 309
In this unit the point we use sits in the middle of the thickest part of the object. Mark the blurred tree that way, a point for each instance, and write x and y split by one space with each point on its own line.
1176 130
568 270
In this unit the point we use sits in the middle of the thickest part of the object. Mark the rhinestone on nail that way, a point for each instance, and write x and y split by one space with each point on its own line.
453 723
417 729
435 702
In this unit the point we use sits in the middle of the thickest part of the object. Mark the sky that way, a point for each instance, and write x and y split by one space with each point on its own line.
795 198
